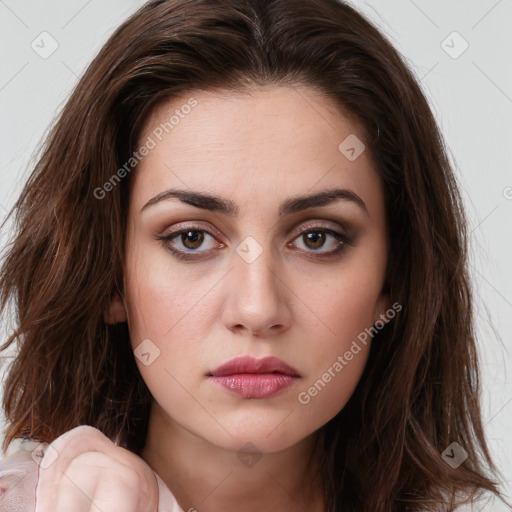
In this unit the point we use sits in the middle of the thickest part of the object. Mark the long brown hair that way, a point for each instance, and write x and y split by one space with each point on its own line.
420 389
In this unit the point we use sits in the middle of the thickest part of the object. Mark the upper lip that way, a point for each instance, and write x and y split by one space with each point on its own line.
248 364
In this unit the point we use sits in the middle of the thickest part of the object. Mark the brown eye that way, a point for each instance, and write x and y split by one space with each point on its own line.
192 239
314 239
324 241
189 243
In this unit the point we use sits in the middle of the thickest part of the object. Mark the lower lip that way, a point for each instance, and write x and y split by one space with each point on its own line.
255 385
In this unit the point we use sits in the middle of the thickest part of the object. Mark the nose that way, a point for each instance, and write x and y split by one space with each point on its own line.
256 297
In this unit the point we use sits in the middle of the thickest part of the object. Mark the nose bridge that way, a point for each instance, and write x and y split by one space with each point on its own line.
256 299
255 269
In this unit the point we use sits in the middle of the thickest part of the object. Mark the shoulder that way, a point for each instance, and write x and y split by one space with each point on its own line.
19 472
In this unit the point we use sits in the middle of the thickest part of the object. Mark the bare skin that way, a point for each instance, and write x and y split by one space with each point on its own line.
292 301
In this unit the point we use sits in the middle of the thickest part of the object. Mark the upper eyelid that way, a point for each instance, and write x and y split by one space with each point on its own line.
193 227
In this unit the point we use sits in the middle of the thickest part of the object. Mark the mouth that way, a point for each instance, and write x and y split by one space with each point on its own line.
247 364
254 378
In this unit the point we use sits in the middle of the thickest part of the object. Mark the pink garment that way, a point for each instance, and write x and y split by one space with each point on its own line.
20 474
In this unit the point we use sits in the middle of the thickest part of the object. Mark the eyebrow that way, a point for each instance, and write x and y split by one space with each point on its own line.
228 207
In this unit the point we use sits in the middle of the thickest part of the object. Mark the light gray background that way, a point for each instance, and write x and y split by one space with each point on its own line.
471 96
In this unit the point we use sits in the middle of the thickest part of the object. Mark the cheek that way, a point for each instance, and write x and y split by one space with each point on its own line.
337 339
323 398
163 319
336 366
340 307
168 314
161 298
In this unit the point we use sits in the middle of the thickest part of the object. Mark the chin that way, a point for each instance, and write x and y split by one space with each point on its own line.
268 435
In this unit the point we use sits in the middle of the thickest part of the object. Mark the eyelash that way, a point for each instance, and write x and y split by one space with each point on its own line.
343 241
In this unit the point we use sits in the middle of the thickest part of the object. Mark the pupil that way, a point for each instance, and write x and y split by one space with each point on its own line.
317 238
193 239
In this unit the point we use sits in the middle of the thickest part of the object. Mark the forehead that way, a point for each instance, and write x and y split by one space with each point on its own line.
268 140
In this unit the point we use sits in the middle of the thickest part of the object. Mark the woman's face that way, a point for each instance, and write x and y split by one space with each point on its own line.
251 261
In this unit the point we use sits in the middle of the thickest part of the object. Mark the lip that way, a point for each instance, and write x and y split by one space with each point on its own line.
248 364
254 378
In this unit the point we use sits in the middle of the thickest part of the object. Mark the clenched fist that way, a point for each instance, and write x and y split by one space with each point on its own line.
83 471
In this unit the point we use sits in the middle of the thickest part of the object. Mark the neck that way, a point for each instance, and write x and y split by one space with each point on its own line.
208 478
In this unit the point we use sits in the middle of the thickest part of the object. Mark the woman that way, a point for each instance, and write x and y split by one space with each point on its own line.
240 277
